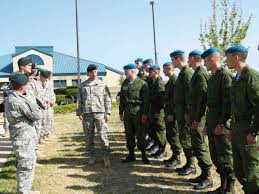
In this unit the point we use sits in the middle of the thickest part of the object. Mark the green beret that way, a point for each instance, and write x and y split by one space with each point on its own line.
19 78
45 73
154 67
148 61
129 66
33 66
209 52
24 61
139 60
176 53
91 67
167 64
236 48
195 52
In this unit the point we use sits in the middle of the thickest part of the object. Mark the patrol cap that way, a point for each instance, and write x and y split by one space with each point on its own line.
154 67
24 61
167 64
148 61
91 67
195 53
209 52
45 73
19 78
176 53
33 66
129 66
139 60
236 48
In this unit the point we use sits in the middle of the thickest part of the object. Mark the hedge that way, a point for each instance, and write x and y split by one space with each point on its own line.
68 108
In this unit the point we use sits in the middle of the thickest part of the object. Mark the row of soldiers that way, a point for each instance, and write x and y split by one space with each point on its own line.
29 111
192 107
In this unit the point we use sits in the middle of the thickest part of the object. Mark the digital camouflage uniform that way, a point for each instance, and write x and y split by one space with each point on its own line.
22 113
94 101
245 120
51 101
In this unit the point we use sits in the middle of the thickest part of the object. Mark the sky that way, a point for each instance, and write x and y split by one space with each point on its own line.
114 32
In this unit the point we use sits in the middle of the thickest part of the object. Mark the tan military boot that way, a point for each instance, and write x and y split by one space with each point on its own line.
107 163
91 160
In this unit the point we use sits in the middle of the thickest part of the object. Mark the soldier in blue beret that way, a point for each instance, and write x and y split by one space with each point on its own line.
156 114
181 109
147 63
245 119
218 119
139 63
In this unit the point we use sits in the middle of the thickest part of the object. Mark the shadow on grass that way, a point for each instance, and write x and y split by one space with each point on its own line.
120 178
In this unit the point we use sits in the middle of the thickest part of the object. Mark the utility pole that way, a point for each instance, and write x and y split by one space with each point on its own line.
77 46
154 30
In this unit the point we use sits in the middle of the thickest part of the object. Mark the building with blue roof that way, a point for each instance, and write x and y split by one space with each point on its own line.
62 66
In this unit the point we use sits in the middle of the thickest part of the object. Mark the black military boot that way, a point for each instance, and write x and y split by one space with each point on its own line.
161 154
173 161
144 157
230 188
221 189
206 182
131 157
187 169
198 179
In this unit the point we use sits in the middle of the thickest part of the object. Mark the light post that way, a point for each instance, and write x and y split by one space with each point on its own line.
154 30
77 46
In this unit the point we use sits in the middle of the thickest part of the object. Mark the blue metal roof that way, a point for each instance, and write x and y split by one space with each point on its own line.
43 49
6 65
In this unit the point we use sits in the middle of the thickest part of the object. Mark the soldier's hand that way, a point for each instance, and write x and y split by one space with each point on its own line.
170 118
81 117
157 115
195 125
229 136
121 117
205 130
144 119
251 139
219 130
107 117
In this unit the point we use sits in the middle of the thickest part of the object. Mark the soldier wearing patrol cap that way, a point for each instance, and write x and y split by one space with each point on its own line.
181 101
94 109
245 119
218 119
22 113
197 107
133 110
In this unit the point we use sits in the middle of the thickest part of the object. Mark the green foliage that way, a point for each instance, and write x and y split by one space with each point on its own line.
65 109
60 98
66 94
225 30
121 80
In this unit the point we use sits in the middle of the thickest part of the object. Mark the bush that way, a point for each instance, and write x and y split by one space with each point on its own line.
60 98
68 92
68 108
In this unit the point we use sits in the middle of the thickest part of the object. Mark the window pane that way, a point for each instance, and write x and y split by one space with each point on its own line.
60 83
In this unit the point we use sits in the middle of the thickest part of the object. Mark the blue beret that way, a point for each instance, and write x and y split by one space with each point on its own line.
209 52
167 64
139 60
154 67
91 67
19 78
148 61
129 66
24 61
45 73
176 53
236 48
195 52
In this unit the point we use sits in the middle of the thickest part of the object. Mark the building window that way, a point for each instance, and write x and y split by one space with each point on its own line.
100 78
74 82
60 83
36 59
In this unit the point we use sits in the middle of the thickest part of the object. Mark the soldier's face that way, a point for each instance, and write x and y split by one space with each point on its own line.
146 67
92 74
231 61
167 70
129 73
43 79
27 68
175 61
207 63
138 64
152 74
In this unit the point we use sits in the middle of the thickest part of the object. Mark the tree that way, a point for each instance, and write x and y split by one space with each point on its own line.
228 29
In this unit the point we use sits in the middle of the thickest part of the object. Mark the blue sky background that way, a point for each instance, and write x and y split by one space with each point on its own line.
113 32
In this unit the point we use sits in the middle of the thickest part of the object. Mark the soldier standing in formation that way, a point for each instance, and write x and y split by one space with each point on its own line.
139 63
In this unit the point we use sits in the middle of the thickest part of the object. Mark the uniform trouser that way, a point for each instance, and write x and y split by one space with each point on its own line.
44 123
134 128
157 128
245 157
221 153
90 122
6 123
26 158
184 134
50 116
200 145
172 135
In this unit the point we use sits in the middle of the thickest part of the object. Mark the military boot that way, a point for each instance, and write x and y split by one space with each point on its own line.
131 157
206 182
187 169
173 161
222 187
161 153
107 163
197 180
230 188
144 157
91 160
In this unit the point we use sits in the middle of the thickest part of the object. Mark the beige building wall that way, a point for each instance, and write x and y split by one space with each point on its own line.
48 60
112 78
